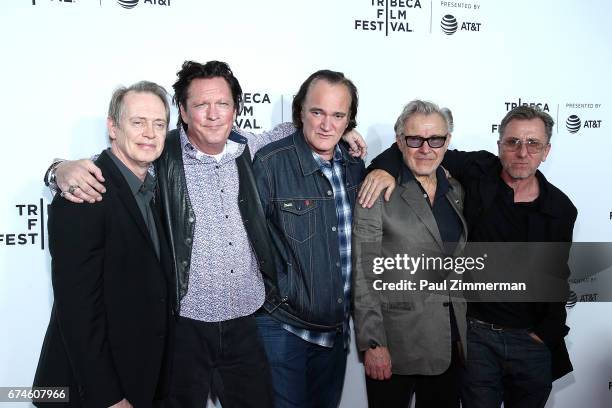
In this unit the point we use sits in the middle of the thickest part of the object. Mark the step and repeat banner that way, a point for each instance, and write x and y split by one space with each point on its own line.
62 59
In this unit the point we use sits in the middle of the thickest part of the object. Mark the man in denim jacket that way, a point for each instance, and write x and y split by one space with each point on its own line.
307 183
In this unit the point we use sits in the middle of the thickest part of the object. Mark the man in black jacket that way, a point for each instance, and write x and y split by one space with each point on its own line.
211 208
108 333
515 350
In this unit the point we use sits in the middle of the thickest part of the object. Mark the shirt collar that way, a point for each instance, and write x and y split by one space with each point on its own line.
308 164
135 184
442 184
231 150
336 158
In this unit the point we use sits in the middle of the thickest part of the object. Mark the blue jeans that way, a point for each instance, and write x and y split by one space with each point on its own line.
505 365
304 374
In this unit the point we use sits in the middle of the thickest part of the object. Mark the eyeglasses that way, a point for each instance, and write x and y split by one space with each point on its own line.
434 142
515 145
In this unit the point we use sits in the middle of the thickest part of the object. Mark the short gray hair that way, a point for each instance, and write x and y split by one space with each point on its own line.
527 113
418 106
116 108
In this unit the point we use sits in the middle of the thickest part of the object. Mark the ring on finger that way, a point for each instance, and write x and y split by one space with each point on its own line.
72 188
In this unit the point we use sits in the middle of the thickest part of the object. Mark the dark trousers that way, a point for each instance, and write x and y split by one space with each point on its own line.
304 374
505 365
431 391
226 358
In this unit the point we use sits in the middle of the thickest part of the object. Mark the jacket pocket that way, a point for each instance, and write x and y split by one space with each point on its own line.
299 219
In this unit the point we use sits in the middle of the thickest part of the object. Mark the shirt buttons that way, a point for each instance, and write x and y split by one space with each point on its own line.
334 228
329 192
191 220
425 195
188 240
340 300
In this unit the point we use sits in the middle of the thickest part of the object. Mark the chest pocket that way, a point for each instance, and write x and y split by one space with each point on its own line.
299 219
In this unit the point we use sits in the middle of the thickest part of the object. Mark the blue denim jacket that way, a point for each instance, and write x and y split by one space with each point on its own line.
299 205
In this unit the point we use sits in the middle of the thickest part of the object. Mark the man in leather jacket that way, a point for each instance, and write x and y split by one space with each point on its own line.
211 209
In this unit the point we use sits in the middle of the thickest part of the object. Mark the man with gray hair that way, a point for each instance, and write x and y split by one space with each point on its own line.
515 350
111 272
411 341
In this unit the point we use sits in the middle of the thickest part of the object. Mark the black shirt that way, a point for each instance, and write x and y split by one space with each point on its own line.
504 221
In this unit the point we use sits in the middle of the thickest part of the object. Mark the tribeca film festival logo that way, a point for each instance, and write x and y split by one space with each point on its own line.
574 122
34 233
130 4
389 16
544 106
246 116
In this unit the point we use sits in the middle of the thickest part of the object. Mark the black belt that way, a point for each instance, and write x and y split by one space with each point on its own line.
493 326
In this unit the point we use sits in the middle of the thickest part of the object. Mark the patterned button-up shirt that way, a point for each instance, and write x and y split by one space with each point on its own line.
224 277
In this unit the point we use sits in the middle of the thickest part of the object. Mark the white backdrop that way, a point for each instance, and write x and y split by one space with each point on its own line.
62 59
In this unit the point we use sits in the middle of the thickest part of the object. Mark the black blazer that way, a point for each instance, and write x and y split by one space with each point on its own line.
479 173
109 328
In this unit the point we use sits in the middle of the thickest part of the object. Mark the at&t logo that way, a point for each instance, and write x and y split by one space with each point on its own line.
573 123
130 4
450 25
571 300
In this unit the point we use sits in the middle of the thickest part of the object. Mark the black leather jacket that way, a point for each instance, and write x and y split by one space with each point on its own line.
179 217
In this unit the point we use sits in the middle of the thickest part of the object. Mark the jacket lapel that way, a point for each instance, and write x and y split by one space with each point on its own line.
454 200
164 249
124 194
414 198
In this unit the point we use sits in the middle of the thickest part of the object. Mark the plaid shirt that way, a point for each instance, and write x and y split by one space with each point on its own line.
334 172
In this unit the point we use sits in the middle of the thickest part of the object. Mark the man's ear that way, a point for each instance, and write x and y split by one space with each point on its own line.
112 128
182 112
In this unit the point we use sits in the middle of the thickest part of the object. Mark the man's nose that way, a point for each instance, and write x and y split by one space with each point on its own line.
522 151
149 132
425 148
212 113
326 123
